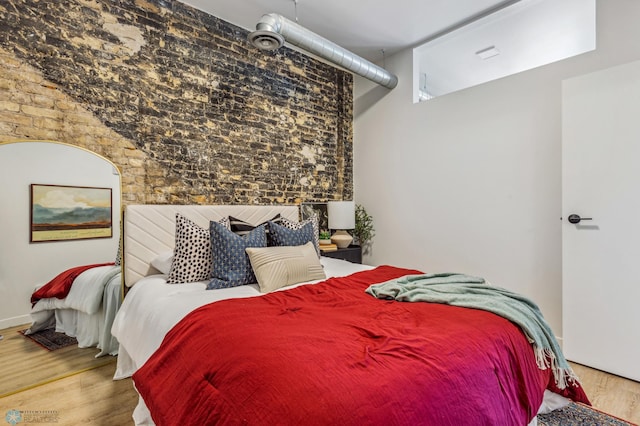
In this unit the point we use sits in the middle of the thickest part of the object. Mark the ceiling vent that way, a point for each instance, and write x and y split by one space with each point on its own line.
273 30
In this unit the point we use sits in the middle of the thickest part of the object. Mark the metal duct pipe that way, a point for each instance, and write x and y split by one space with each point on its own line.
272 30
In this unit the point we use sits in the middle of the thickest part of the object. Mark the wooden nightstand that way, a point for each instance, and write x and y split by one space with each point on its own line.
352 253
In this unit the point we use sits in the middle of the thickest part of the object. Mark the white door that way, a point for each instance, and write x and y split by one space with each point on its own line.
601 256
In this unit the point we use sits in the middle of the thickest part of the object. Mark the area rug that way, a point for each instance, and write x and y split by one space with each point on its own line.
50 339
580 415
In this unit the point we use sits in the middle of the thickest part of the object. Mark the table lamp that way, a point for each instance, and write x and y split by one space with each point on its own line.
342 216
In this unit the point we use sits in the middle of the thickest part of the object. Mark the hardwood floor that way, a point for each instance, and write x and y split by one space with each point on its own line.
609 393
88 398
93 398
68 384
22 361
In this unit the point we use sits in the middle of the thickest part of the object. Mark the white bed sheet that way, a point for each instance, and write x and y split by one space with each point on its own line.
88 311
94 330
152 307
86 292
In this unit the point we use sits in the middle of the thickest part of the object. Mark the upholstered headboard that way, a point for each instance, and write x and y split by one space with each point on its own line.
149 230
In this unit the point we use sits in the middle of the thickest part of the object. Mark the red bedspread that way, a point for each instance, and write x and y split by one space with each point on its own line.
60 285
330 354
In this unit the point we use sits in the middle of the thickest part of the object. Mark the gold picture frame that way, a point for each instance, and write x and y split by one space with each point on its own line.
63 213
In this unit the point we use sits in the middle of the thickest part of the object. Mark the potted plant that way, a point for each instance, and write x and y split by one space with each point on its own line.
364 231
325 237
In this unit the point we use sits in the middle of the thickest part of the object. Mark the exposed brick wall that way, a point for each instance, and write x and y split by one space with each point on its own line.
178 99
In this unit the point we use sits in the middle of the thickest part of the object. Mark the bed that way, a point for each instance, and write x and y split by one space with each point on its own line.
81 302
320 351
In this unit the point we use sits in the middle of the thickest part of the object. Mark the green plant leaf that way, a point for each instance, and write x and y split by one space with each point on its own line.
364 230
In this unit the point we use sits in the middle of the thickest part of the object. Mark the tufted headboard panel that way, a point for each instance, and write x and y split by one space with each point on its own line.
149 230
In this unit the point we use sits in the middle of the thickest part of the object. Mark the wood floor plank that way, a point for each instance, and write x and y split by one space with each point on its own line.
88 398
24 363
610 393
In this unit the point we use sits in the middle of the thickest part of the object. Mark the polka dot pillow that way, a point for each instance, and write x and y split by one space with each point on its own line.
192 254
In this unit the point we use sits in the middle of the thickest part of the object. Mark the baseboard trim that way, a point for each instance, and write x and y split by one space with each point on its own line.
12 322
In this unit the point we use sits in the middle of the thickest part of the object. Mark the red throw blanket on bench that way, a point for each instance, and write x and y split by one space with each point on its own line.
330 354
59 286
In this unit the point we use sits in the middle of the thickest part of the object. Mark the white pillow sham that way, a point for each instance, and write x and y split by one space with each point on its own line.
163 261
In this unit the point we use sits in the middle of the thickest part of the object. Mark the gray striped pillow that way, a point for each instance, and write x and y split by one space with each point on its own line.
276 267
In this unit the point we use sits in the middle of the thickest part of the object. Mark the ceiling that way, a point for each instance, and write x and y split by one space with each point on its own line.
365 27
525 35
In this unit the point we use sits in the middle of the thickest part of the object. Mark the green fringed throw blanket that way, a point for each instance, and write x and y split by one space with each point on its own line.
472 292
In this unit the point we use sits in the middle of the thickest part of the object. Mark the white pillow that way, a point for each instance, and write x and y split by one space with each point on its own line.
163 261
281 266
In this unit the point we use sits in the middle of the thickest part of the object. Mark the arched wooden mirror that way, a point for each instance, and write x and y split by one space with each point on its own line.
32 257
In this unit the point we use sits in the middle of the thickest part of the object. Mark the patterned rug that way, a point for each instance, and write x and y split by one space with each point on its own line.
578 414
50 340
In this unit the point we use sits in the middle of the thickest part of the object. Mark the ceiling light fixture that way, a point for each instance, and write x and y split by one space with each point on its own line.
272 30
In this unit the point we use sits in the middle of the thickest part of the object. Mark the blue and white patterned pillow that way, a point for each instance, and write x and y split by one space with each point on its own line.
231 264
280 235
313 220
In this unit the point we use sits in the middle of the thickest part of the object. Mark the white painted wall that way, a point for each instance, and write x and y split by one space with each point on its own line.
23 265
471 182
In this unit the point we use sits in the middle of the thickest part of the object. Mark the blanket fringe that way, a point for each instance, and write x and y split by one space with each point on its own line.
472 292
545 358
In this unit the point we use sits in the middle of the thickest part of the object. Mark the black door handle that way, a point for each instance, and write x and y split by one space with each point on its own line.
575 218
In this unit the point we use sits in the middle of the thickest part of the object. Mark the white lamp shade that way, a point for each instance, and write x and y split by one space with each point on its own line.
342 214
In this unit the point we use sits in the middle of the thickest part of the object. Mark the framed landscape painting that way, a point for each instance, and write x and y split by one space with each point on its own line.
60 213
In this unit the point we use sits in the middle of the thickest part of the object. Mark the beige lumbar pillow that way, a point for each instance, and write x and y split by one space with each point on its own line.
276 267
